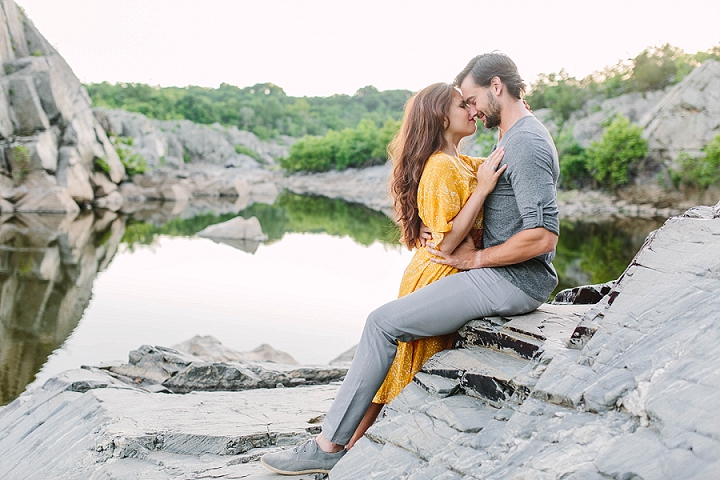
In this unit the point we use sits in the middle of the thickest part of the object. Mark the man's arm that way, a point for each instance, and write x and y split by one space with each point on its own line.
520 247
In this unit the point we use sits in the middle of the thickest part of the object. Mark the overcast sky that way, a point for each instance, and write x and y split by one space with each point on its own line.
322 47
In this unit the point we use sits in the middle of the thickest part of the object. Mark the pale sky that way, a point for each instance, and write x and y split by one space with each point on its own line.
322 47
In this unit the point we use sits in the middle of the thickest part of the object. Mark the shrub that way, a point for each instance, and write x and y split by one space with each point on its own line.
700 172
609 160
133 162
243 150
339 150
573 161
102 164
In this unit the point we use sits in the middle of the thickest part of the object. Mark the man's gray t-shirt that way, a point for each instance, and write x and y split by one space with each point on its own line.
525 198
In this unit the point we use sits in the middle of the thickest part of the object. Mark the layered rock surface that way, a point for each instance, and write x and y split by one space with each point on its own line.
50 141
625 388
110 421
628 392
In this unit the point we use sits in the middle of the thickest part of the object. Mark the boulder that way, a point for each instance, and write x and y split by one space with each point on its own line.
113 201
175 193
41 194
688 116
6 49
14 20
210 349
6 124
236 228
588 124
26 106
46 112
101 184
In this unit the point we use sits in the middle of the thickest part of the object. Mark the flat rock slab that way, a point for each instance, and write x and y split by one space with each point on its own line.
83 424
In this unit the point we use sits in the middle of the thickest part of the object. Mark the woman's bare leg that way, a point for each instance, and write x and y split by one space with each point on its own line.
370 416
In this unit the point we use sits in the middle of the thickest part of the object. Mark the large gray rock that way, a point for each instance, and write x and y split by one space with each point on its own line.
45 109
237 228
174 142
85 424
628 392
687 117
588 124
210 349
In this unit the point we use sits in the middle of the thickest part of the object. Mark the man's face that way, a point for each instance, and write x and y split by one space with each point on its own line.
482 102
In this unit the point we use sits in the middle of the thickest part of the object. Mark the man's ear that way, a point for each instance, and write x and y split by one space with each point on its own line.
497 85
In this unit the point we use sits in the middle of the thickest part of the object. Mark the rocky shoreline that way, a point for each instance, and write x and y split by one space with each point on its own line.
572 390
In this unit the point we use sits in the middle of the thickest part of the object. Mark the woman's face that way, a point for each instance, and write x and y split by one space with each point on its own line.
460 122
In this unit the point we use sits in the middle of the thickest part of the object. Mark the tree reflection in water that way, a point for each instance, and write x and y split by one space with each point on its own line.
48 263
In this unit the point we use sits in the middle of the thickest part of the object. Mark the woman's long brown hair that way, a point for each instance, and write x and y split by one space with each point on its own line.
419 137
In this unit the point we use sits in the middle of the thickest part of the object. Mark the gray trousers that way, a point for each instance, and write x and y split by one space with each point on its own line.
437 309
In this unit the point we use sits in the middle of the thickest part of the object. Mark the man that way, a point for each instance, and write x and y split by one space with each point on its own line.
512 275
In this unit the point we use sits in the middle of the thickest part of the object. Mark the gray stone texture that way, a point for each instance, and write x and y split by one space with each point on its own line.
634 399
687 117
45 108
525 396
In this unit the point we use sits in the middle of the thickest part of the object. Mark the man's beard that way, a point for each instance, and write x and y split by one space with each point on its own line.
492 112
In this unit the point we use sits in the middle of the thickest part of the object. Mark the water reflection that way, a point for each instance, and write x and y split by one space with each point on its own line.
597 252
48 263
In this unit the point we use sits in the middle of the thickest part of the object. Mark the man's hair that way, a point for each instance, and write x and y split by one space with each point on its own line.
484 67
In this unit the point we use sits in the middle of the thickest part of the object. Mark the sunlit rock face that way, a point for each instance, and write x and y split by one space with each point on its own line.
626 390
687 117
47 267
51 145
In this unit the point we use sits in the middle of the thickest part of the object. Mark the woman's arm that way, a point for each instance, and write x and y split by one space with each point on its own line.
520 247
487 176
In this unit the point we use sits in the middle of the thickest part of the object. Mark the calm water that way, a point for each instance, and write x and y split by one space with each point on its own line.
85 290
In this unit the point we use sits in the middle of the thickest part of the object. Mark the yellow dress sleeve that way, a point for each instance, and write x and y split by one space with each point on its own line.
442 192
474 161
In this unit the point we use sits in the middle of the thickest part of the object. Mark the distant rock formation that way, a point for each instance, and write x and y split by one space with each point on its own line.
687 117
210 349
50 143
174 143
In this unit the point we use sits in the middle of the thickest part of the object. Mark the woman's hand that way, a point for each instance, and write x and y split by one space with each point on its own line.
488 172
465 256
425 234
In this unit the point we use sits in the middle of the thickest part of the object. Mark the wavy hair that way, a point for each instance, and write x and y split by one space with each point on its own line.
420 135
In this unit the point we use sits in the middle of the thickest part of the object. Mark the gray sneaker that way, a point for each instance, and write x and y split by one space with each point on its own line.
304 458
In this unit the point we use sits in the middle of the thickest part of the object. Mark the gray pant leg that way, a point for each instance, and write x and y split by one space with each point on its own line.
437 309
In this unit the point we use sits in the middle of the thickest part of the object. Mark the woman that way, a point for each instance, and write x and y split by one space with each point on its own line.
432 184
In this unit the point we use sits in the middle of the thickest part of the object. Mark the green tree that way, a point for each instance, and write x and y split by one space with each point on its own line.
609 160
656 68
573 161
560 92
700 172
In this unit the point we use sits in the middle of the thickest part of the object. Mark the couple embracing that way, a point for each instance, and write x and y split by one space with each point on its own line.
491 227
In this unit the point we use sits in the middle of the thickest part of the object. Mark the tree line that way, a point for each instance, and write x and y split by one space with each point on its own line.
344 131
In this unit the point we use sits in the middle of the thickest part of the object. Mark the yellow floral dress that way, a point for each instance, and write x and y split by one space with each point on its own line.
445 186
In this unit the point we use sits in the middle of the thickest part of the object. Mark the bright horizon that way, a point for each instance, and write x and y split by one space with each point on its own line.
325 47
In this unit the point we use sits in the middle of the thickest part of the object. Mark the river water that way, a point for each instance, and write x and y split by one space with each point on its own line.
87 289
